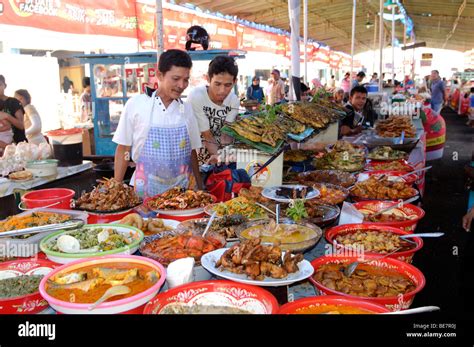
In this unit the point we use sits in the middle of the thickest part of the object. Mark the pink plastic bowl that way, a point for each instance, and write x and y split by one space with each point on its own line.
130 305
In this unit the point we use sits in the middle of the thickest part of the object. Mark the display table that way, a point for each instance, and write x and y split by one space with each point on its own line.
8 187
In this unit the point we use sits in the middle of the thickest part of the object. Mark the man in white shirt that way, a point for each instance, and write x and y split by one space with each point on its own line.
214 105
277 94
160 131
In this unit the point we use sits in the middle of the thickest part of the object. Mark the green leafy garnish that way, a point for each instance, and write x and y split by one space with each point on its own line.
297 210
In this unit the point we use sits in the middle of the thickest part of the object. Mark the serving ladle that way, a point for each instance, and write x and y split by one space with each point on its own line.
407 237
416 310
208 226
112 291
395 205
349 269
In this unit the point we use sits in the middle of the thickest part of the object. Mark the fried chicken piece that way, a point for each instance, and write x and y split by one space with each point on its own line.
273 270
253 270
290 263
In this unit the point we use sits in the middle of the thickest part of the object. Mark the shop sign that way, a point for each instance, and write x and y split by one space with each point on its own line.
425 63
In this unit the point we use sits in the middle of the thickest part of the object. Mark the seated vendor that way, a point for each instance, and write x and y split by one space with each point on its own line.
352 123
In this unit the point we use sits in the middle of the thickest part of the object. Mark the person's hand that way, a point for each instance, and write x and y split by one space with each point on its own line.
219 158
4 116
214 159
467 219
357 130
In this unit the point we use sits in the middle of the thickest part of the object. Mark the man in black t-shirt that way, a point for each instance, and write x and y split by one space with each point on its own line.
352 123
11 115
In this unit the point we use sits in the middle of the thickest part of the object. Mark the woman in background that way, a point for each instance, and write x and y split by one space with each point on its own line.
32 118
255 92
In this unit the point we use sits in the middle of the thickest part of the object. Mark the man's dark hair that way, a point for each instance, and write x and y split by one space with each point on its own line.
359 89
24 93
361 74
472 89
174 57
332 76
223 64
2 79
86 82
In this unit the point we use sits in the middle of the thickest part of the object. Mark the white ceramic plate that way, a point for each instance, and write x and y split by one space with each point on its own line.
271 193
209 260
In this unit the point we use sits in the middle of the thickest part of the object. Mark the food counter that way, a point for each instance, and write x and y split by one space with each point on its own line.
8 187
291 260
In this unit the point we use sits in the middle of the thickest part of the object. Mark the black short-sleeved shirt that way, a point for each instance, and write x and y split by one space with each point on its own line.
11 106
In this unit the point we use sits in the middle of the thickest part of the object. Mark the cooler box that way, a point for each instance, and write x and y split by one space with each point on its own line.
251 160
372 88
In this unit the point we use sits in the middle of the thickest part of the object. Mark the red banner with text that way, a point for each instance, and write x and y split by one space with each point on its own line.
112 17
136 19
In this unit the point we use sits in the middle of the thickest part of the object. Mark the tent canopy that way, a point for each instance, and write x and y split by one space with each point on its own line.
330 20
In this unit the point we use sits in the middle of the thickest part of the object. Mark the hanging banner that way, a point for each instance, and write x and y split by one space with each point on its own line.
136 19
114 17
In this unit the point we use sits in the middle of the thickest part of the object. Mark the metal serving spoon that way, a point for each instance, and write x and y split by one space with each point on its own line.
349 269
416 310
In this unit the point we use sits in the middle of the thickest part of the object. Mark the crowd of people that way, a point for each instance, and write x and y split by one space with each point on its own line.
19 119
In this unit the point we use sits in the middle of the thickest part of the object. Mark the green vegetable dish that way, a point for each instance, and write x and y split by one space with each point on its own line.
90 239
19 286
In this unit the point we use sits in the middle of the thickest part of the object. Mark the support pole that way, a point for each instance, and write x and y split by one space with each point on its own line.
354 8
305 8
393 44
375 44
160 47
381 31
294 15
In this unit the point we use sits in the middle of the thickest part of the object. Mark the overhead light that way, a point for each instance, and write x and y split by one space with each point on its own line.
425 14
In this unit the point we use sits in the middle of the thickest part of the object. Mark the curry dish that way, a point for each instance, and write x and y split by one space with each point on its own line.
86 285
366 281
331 309
374 241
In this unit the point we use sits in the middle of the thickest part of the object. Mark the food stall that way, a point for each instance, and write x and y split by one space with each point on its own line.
287 266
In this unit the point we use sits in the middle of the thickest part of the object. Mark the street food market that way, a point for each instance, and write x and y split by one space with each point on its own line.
188 156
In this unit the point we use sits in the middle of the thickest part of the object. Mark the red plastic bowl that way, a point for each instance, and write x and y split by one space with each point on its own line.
61 197
411 179
393 303
359 199
30 303
415 213
104 218
371 165
406 256
295 307
219 292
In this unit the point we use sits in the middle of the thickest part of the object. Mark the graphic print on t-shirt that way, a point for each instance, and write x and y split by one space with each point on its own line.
217 117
